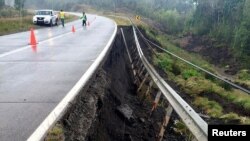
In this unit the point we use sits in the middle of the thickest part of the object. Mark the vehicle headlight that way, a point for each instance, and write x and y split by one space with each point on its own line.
34 18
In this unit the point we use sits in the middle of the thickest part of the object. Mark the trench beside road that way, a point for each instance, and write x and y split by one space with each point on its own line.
110 108
32 84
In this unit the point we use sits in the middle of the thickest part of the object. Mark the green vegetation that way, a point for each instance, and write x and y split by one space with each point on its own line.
12 20
166 42
13 25
189 73
195 84
244 78
120 21
180 128
212 108
55 134
198 85
244 75
232 117
225 21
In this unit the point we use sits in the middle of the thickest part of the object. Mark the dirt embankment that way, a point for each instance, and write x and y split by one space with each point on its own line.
109 108
216 52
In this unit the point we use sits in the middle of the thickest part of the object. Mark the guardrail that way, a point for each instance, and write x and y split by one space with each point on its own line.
62 107
188 62
193 121
197 67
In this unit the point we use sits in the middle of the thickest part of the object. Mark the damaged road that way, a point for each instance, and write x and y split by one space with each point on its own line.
109 107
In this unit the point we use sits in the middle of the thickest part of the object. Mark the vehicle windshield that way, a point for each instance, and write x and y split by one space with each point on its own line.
43 13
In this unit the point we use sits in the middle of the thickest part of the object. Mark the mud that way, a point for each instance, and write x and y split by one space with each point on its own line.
215 52
97 114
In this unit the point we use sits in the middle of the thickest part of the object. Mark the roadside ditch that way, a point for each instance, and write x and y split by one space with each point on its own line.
109 107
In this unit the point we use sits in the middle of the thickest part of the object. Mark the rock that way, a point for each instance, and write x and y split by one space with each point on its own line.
125 111
142 120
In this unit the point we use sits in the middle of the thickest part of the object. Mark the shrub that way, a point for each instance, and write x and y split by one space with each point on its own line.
211 108
190 73
164 62
231 117
244 75
176 69
226 86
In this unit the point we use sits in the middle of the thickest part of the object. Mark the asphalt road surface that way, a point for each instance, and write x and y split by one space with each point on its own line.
32 84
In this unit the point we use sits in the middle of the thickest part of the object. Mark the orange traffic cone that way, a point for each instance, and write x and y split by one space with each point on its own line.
32 37
33 40
73 29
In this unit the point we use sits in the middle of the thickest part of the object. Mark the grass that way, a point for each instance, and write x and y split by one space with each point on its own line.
17 24
180 128
244 75
120 21
243 78
70 18
55 134
167 42
196 83
13 25
232 117
212 108
188 73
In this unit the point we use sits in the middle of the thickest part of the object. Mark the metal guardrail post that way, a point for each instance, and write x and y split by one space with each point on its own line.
193 121
198 67
166 119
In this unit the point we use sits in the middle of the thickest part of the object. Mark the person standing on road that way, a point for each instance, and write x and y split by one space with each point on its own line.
84 19
62 16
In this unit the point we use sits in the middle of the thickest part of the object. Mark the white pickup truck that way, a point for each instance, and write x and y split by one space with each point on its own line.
48 17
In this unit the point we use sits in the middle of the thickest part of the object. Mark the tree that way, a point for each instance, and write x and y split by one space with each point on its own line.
242 37
19 4
2 3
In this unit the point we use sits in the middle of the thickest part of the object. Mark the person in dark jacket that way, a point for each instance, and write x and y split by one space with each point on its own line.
84 19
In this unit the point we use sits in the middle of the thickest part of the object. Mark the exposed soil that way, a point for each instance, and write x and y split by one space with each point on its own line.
217 53
96 114
227 106
80 116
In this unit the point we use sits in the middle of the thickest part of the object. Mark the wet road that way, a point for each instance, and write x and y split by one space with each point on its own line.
32 84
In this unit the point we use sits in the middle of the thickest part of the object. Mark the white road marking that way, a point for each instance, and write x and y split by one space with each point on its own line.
26 47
